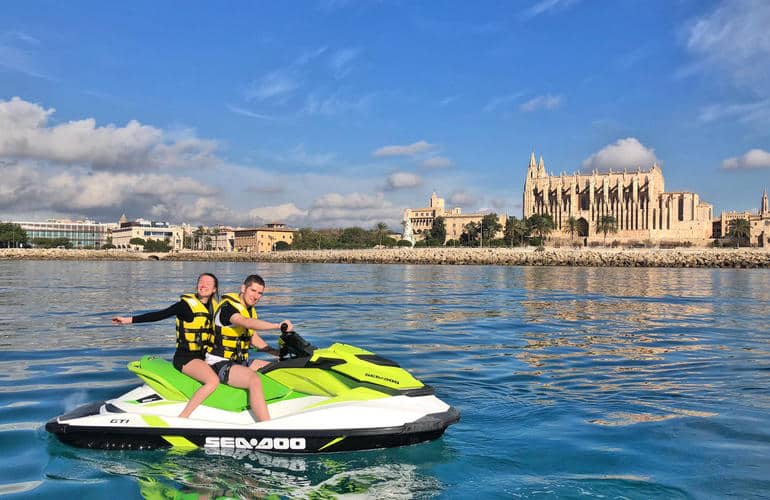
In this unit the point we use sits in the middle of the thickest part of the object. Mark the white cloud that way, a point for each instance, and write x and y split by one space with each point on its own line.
25 134
402 180
299 156
276 85
335 104
341 61
625 153
734 40
437 162
355 209
285 212
753 112
753 159
251 114
409 150
18 54
502 101
546 6
448 100
542 102
463 199
30 186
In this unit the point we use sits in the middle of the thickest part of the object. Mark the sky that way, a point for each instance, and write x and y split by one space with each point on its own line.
337 113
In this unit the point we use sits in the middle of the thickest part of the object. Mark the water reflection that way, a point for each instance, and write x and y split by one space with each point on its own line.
251 474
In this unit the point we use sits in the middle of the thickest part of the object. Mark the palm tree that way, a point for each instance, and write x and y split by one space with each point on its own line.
519 229
380 228
541 225
607 224
571 227
740 231
198 237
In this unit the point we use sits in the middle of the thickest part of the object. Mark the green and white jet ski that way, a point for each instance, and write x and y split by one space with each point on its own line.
339 398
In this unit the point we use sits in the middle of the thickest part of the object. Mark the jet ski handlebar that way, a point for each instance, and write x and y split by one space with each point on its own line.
292 345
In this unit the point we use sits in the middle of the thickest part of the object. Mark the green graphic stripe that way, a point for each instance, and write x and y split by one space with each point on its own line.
154 421
332 442
180 442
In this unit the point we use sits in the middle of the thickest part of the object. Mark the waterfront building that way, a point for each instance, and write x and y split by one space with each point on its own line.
638 201
222 239
81 233
759 223
417 221
262 239
146 230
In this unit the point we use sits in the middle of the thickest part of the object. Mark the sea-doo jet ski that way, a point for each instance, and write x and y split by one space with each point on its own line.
338 398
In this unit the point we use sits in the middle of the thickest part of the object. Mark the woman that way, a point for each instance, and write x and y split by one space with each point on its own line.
194 332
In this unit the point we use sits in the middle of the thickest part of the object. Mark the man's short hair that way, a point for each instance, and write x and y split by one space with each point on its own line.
253 278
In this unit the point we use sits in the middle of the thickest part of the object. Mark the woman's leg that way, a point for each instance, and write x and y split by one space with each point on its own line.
245 378
202 372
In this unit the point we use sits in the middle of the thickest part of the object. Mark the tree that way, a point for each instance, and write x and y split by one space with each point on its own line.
51 242
490 226
356 237
199 238
571 227
607 224
437 234
157 245
541 225
740 231
515 230
381 229
12 235
282 245
470 235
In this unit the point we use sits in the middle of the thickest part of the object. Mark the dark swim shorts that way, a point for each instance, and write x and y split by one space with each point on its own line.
181 358
222 369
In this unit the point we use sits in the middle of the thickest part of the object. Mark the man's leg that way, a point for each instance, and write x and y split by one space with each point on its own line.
257 364
202 372
245 378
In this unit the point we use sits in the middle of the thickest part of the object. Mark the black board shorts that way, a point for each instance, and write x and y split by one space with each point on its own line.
222 369
181 358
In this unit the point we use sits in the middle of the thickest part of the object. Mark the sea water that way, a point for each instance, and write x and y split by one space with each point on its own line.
572 382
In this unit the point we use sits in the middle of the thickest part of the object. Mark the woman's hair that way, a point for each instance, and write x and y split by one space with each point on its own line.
216 283
253 278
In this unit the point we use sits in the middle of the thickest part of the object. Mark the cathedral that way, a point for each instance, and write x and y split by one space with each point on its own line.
637 200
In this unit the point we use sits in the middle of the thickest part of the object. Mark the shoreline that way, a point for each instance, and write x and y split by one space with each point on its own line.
582 257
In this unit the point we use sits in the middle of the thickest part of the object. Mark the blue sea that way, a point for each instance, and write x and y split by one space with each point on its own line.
572 382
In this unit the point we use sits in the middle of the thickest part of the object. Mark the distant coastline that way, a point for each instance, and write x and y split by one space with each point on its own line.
587 257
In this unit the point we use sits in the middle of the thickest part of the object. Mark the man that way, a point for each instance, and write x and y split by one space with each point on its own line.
235 326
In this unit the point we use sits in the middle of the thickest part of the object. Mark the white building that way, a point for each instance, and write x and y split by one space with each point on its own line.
147 230
81 234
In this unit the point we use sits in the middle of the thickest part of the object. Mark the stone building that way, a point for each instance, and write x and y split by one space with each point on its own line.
418 220
759 223
638 201
262 239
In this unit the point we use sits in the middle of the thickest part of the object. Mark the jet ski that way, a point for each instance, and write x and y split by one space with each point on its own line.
333 399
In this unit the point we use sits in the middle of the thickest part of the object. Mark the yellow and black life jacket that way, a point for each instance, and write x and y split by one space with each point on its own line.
195 335
232 342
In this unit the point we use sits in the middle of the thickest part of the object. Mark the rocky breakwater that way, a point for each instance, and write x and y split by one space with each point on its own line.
589 257
604 257
64 254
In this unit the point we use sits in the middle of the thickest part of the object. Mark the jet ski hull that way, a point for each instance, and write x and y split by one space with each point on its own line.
90 427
